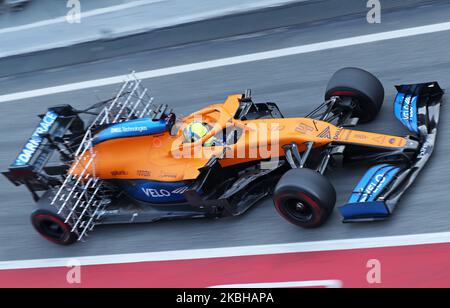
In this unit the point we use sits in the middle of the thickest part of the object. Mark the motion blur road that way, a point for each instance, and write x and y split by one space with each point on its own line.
296 82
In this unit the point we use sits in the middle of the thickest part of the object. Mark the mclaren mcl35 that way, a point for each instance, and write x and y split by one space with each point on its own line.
127 160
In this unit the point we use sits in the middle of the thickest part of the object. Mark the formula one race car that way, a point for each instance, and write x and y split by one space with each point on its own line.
134 162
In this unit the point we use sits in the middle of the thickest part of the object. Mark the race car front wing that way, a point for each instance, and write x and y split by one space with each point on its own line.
417 107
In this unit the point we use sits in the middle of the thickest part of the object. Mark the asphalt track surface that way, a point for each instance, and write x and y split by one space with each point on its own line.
296 82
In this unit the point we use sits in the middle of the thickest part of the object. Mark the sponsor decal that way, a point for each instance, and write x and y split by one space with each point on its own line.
145 173
156 193
360 136
128 129
180 190
119 173
169 175
132 128
349 133
326 133
36 139
373 183
425 150
379 139
374 187
408 110
338 134
163 193
304 128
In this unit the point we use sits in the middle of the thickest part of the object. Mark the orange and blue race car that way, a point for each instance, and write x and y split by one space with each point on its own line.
127 160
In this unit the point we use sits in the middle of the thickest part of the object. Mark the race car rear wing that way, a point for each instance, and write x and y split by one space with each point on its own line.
417 107
62 130
30 167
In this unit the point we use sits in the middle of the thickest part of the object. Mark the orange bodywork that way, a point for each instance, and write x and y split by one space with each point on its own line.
164 157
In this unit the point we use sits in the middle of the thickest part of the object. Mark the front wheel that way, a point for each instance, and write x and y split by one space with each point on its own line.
305 198
365 89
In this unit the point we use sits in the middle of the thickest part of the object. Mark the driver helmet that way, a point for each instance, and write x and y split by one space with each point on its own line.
195 131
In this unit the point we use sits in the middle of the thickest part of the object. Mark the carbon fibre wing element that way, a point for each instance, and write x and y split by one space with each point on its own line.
417 107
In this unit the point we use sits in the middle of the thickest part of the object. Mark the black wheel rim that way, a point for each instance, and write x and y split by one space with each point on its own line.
299 210
52 229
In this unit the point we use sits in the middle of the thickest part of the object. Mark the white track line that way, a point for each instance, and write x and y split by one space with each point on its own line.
352 41
332 284
129 5
96 12
348 244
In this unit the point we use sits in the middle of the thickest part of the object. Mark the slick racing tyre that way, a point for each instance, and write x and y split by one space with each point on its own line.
52 227
305 198
364 88
50 224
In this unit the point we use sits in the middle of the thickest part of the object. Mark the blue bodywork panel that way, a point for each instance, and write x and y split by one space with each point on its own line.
363 201
405 109
376 209
133 128
156 192
373 182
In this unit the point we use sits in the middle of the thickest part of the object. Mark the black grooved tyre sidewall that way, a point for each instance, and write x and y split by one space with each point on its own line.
41 217
359 84
310 188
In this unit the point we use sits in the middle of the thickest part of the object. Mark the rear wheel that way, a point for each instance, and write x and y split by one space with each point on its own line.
305 198
52 226
365 89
